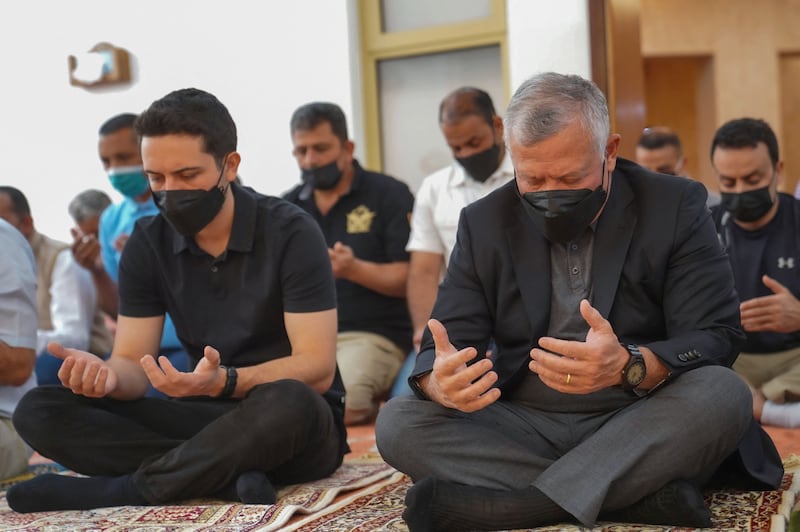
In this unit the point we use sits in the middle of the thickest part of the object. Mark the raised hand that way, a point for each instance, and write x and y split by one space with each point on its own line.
342 260
779 312
86 250
454 384
206 379
581 367
84 373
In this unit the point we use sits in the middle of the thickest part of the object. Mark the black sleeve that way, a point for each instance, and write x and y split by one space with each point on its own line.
306 275
139 294
398 226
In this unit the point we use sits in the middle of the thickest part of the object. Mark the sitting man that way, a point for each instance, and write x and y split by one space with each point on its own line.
761 229
248 281
65 296
659 150
85 210
364 217
17 342
607 393
100 254
474 134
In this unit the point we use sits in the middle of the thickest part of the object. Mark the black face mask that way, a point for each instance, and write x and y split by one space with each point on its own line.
562 215
189 211
322 178
747 206
483 164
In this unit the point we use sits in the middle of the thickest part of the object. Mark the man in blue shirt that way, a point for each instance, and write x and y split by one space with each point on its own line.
118 148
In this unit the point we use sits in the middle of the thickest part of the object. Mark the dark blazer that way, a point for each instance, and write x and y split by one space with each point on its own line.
659 276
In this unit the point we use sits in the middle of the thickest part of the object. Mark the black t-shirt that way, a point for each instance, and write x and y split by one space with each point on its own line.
773 250
373 219
276 262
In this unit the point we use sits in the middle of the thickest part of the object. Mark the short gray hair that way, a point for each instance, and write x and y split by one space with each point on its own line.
548 102
88 203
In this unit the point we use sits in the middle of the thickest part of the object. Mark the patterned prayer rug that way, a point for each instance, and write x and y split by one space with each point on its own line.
355 473
379 508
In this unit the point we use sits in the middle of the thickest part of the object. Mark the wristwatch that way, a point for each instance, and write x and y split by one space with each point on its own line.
416 387
635 370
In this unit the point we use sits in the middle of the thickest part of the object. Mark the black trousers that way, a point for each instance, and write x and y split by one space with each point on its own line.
185 448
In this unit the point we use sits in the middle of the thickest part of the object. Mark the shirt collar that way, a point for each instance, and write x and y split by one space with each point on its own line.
243 229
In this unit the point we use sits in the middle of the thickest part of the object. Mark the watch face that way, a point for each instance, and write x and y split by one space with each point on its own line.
635 374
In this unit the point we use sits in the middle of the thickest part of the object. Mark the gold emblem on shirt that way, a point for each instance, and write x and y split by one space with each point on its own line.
359 220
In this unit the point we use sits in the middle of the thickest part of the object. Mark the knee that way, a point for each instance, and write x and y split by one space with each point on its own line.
298 404
37 412
724 393
392 428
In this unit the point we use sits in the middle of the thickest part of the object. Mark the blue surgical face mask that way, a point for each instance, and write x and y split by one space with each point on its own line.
129 181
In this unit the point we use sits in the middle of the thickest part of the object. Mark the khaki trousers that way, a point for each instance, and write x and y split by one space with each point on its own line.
774 373
369 364
14 453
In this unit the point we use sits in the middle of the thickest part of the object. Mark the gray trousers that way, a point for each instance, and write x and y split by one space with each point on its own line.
584 461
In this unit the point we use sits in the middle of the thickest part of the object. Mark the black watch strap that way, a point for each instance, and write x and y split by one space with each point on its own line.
415 386
231 376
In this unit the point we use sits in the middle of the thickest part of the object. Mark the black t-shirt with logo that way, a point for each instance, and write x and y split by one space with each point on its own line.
373 219
773 250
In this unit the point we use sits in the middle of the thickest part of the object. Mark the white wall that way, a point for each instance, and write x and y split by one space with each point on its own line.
261 59
546 35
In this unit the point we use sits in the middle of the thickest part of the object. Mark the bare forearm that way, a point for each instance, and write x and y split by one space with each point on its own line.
16 364
422 290
295 367
132 382
388 279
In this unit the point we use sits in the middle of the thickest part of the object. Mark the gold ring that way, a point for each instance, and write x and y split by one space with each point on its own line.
569 377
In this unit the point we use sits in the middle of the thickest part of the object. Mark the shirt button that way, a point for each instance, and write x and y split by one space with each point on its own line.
575 270
574 247
214 269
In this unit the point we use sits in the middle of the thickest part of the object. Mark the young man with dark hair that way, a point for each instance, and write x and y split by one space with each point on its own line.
761 229
364 216
248 281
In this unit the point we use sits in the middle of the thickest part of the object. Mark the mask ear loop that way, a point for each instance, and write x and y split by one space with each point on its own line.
222 188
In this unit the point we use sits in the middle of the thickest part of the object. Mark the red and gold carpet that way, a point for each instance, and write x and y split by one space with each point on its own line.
357 472
379 508
366 495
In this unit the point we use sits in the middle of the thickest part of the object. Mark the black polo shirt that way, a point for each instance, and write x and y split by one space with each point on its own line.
276 262
373 219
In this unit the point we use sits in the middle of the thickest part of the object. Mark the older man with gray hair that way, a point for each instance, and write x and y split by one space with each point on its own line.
85 210
608 394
